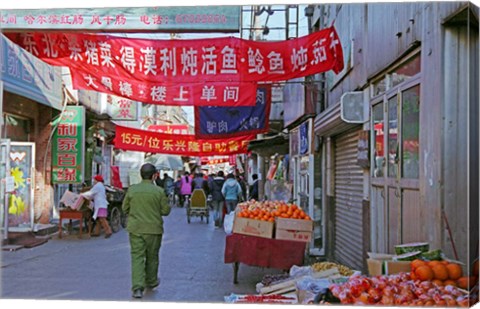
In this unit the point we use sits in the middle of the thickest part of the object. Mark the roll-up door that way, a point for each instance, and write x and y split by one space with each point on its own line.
348 201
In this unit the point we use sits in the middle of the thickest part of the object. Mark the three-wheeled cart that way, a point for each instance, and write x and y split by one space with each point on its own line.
198 207
116 217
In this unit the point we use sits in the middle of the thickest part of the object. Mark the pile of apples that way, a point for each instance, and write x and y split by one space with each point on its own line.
399 290
269 210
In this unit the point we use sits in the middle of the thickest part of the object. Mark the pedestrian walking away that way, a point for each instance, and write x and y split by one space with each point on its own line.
145 204
217 198
232 192
254 188
97 194
198 182
185 188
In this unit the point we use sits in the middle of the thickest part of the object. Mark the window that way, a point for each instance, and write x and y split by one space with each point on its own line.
392 140
378 135
16 128
410 132
396 112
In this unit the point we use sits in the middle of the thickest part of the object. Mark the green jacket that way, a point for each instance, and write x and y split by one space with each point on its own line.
145 204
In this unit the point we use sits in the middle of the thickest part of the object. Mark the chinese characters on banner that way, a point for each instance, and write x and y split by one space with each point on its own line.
218 122
182 62
199 94
186 145
68 147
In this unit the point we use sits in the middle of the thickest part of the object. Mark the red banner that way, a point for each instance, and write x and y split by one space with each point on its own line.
185 145
182 62
194 94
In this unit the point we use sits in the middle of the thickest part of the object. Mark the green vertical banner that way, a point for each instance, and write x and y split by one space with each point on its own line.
68 147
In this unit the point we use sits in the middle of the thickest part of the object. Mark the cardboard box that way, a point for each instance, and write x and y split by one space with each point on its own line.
384 265
293 235
253 227
293 229
294 224
72 200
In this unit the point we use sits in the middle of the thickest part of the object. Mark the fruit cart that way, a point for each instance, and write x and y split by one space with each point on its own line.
198 206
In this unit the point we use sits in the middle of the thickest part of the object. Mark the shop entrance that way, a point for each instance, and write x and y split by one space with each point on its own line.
395 174
21 165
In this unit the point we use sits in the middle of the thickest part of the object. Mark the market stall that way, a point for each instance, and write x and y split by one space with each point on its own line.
271 234
262 252
414 276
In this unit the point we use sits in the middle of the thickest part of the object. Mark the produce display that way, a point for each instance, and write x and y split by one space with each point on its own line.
398 289
342 269
412 247
269 210
439 272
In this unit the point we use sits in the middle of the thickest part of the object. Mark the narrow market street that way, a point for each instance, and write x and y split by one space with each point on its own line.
191 267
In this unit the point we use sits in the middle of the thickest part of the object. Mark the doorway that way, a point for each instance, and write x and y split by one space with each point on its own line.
21 160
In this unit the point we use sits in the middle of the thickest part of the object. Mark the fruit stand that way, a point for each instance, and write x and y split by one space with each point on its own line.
269 234
414 276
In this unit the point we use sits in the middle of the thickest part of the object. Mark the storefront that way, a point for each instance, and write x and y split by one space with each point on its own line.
32 97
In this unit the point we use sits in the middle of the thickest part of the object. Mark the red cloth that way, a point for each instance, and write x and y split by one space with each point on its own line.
264 252
115 178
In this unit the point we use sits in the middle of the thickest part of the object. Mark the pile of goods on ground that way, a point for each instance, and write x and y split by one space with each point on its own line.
306 281
269 210
262 299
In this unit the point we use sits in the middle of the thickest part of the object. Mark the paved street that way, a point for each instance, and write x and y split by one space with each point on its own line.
191 267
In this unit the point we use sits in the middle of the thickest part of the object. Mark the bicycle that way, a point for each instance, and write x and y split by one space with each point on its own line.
171 199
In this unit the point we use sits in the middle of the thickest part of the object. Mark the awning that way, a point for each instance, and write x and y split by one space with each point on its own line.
165 162
270 145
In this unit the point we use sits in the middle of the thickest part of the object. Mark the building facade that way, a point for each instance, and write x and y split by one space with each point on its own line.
406 168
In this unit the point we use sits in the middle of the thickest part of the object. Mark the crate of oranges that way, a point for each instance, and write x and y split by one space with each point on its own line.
441 273
291 222
270 210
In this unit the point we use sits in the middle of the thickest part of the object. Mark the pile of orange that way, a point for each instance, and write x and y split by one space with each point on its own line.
440 273
282 211
256 214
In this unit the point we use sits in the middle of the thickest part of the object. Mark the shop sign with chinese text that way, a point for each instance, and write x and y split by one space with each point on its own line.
26 75
122 109
181 129
218 122
161 18
185 145
68 147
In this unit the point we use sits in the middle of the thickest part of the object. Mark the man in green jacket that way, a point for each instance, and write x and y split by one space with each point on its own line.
145 204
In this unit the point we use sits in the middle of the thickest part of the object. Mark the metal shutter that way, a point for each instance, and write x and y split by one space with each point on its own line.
348 201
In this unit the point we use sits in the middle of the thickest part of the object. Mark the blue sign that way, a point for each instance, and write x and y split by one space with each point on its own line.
161 18
217 122
304 138
28 76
